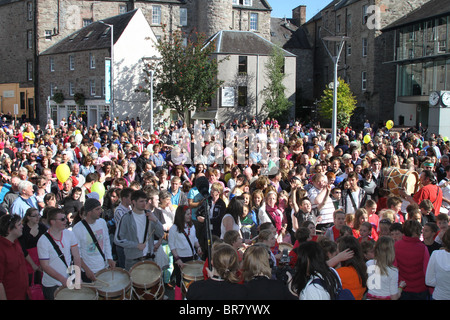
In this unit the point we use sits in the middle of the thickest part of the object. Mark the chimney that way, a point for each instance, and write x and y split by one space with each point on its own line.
299 15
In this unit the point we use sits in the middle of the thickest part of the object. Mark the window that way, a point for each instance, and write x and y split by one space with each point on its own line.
30 12
363 80
349 49
365 15
122 9
242 96
247 3
30 70
86 22
338 24
364 47
52 89
349 22
71 62
48 35
30 39
253 21
92 87
71 89
156 15
242 69
52 64
91 61
183 17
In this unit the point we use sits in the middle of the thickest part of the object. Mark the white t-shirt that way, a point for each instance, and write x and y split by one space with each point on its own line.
88 250
140 220
47 252
381 285
438 274
327 210
177 241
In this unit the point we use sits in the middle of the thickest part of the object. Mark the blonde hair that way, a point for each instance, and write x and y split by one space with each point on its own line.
384 254
256 263
387 214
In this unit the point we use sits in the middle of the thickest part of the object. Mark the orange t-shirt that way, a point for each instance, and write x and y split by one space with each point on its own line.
350 280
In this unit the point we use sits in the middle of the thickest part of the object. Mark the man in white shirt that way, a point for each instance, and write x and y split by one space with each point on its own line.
96 253
55 267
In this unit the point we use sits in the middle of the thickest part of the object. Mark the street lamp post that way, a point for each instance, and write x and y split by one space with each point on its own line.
112 66
341 40
151 102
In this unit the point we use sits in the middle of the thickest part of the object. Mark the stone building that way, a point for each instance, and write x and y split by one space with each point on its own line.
291 35
36 25
363 62
76 66
422 61
244 74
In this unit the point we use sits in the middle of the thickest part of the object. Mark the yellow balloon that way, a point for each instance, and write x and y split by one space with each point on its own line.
99 188
389 124
367 138
63 172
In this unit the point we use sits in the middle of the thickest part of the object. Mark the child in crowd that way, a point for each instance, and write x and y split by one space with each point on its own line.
365 232
427 210
385 225
442 223
333 233
396 230
367 248
429 232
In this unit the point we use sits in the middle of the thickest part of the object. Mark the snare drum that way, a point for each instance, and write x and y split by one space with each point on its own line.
147 281
192 271
396 179
85 293
113 284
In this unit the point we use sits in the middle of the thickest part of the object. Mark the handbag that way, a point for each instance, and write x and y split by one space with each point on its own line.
36 292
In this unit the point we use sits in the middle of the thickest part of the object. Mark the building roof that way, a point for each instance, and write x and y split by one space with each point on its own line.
243 43
94 36
431 9
256 5
287 35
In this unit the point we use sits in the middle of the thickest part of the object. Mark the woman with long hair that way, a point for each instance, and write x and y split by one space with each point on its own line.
232 218
353 271
382 281
32 231
314 279
183 241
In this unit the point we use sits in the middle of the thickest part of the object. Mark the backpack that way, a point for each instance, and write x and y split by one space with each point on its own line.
341 294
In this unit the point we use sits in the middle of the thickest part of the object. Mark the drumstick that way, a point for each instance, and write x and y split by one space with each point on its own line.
106 284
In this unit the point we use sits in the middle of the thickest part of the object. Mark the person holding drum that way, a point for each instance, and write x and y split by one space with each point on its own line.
183 241
57 248
137 231
93 241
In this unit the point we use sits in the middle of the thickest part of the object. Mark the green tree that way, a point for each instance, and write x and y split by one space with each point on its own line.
275 101
185 78
346 104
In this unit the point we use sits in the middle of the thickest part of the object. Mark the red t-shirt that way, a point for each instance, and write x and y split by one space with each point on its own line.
431 192
13 270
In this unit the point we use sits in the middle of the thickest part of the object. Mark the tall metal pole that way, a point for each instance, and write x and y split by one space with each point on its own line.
335 85
151 102
335 59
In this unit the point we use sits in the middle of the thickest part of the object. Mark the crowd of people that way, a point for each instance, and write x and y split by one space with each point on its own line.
312 221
